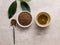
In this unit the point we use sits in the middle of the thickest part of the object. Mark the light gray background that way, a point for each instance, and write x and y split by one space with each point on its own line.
32 35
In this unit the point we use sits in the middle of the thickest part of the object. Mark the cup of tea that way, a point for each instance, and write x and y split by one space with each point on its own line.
43 19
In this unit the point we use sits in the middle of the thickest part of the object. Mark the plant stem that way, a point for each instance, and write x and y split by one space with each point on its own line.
16 0
21 0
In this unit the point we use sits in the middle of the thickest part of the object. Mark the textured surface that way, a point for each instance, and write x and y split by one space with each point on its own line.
32 35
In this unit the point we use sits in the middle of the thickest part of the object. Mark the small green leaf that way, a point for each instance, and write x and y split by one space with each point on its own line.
12 9
25 6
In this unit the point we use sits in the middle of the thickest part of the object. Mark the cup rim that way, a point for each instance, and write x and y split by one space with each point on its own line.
23 25
45 24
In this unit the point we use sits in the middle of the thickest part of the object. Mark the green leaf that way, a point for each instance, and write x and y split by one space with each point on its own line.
12 9
25 6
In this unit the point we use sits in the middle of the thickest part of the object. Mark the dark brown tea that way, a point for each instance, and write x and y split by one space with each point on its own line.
24 18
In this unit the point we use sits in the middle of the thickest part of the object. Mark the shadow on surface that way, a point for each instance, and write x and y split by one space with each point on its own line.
41 30
22 29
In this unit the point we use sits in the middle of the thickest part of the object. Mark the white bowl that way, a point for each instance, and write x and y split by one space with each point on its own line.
48 22
23 25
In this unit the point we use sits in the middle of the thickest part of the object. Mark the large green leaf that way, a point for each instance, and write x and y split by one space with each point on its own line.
25 6
12 9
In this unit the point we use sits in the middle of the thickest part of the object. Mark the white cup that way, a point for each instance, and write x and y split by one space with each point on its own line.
48 22
23 25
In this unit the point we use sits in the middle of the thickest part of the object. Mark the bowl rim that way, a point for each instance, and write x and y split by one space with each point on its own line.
46 14
22 25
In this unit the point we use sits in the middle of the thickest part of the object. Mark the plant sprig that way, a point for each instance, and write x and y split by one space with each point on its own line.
13 7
